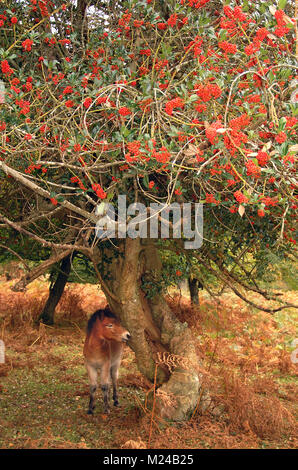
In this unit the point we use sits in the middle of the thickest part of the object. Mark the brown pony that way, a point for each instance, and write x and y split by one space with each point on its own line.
103 350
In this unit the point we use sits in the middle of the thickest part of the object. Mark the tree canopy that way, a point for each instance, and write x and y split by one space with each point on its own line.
160 101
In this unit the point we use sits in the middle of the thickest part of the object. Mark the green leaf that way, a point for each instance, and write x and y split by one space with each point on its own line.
284 148
282 124
150 144
193 98
282 4
146 180
124 131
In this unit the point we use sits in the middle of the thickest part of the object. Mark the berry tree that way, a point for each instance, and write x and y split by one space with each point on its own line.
161 101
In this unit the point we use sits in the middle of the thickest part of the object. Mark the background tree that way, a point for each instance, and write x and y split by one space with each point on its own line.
57 286
187 100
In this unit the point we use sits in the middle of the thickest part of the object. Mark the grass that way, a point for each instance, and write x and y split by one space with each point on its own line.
44 387
44 398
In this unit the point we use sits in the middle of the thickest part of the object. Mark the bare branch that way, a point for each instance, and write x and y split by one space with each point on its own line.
19 228
37 189
20 286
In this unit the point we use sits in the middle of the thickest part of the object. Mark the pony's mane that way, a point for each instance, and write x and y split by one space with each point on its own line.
100 315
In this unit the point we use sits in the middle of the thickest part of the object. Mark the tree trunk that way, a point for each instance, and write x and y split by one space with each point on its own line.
56 291
157 336
193 285
80 22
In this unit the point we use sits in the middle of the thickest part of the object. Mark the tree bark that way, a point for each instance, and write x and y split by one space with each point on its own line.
56 291
158 338
194 286
80 21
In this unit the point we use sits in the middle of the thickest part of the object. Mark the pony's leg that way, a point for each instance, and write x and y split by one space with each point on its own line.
114 376
105 379
92 373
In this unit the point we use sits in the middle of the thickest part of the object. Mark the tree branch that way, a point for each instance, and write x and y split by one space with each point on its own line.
37 189
18 228
20 286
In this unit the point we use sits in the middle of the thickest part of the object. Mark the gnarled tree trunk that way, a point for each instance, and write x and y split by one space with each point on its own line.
153 327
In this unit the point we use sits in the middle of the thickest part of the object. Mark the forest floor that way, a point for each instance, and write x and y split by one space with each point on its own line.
246 366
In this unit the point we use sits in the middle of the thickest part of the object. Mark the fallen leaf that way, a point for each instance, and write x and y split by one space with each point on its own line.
272 9
293 148
191 150
241 210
